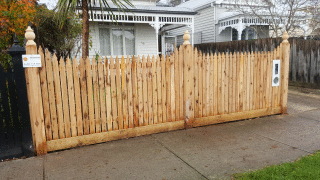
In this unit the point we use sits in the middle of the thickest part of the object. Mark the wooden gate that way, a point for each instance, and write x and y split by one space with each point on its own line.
88 101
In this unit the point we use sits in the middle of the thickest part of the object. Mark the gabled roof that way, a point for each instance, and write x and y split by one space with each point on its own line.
199 4
194 4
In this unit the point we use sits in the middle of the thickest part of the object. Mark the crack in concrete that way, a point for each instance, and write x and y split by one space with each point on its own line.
176 155
283 143
311 119
43 169
301 115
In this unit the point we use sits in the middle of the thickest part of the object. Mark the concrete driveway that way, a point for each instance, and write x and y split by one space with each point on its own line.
211 152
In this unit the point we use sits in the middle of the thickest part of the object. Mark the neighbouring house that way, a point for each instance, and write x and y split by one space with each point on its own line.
214 22
151 28
139 30
219 21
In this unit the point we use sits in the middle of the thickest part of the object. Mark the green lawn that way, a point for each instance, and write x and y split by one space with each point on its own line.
307 167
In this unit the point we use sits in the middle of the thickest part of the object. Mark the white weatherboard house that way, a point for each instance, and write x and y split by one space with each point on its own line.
137 31
214 22
219 21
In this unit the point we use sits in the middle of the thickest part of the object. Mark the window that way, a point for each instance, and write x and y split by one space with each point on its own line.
116 41
104 37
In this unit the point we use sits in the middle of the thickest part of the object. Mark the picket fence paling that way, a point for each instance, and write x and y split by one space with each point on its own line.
99 95
93 96
87 101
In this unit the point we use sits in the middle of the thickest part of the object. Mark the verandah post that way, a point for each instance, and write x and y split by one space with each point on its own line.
35 98
285 72
188 73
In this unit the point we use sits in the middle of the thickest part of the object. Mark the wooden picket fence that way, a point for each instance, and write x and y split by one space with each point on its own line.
88 101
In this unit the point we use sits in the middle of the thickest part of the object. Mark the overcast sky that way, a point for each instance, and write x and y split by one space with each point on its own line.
50 3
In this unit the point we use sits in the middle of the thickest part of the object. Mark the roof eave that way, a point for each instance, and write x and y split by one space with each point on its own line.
145 11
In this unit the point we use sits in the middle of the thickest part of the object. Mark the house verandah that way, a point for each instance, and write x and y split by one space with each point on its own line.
140 30
241 27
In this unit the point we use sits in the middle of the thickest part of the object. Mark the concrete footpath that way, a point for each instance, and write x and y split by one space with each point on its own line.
211 152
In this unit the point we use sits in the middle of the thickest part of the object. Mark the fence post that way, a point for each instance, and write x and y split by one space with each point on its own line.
16 52
285 72
34 97
188 73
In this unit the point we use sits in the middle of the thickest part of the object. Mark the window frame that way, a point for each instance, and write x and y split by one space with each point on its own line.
122 28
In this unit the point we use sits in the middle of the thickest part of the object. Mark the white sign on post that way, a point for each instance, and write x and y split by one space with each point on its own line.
33 60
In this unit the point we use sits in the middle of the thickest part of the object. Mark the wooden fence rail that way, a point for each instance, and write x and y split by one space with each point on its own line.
87 101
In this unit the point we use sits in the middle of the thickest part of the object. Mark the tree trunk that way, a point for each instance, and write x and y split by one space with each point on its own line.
85 29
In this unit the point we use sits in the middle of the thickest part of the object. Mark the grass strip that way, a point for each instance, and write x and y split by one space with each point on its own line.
307 167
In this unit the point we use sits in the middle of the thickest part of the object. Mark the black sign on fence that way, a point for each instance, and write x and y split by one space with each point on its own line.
15 130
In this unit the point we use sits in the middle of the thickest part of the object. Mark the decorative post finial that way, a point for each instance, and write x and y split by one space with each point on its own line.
285 37
186 38
30 36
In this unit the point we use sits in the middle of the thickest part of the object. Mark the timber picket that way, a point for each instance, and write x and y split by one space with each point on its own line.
96 98
71 99
211 84
219 100
163 89
140 91
168 88
107 82
204 85
264 84
245 78
77 95
196 84
119 94
145 91
227 84
51 93
130 96
182 95
113 89
172 90
230 83
248 81
102 94
65 103
269 80
159 90
260 80
91 121
234 81
45 96
256 71
252 106
215 84
207 84
124 93
154 90
84 96
135 100
280 56
237 64
177 84
189 88
223 83
200 85
57 86
150 90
